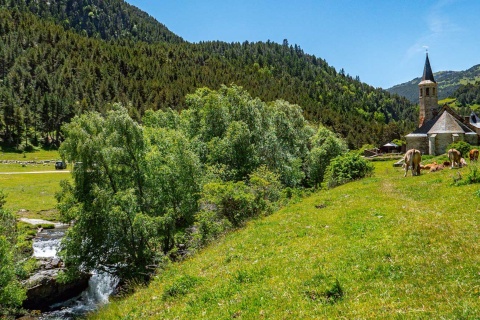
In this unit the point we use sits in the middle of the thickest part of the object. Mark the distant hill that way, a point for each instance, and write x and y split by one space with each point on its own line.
448 83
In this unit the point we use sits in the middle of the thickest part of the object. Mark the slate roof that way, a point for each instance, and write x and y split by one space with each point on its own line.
427 71
444 122
474 120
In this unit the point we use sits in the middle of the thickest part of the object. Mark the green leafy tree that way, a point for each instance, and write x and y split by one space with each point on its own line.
133 189
12 293
326 146
347 167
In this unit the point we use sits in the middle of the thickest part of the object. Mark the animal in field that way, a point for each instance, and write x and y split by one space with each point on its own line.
473 154
463 162
412 159
428 166
437 167
454 156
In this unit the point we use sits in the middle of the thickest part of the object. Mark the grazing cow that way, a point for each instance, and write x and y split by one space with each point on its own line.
454 156
412 158
473 155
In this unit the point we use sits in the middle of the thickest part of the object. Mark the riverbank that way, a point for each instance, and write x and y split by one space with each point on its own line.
56 299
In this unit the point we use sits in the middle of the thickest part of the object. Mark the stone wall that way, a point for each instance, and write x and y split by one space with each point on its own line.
472 139
419 142
443 140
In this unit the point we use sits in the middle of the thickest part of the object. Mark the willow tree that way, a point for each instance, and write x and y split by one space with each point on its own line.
132 190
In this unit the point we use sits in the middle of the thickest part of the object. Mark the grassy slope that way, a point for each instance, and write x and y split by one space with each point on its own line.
399 247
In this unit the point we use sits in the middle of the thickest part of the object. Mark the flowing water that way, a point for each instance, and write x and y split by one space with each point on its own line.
100 286
47 242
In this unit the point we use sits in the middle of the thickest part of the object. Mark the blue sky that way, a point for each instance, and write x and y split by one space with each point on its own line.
383 42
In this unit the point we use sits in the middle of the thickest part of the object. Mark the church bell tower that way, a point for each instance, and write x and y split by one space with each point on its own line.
428 95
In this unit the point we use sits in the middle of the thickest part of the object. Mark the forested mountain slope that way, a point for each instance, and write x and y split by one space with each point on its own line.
105 19
448 83
48 75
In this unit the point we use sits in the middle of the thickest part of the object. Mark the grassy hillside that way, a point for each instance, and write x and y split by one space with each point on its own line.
448 83
383 247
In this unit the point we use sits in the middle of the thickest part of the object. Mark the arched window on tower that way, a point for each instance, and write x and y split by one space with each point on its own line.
427 91
421 92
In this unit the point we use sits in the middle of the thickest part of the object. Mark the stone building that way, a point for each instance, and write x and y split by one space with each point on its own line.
438 127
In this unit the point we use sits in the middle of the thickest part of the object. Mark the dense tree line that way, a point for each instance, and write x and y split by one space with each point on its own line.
468 94
48 75
102 19
142 193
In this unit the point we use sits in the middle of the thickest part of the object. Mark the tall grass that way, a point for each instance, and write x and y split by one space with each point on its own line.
382 247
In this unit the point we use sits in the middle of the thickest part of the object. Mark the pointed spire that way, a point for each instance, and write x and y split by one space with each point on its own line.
427 71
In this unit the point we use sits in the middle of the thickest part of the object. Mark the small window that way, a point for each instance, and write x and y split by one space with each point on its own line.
433 91
421 92
427 91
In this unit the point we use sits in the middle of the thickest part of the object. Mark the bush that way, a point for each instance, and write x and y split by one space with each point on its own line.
346 168
11 291
461 146
473 176
232 200
326 146
208 226
267 188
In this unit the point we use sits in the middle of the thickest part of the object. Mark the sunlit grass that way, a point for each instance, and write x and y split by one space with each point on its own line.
32 195
15 167
29 156
396 247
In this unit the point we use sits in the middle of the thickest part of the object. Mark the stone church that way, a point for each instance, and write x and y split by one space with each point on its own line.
438 127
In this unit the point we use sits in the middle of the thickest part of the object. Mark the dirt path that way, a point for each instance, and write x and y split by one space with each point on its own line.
35 172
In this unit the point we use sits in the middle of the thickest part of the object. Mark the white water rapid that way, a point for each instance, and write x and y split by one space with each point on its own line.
100 286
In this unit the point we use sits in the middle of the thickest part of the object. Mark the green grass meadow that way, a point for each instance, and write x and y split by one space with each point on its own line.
386 247
31 195
37 155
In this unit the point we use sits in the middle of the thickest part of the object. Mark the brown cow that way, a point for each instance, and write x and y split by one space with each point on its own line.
412 158
473 155
454 156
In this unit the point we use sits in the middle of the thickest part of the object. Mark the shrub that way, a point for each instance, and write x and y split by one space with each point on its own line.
208 226
11 291
232 200
266 187
473 176
346 168
461 146
326 146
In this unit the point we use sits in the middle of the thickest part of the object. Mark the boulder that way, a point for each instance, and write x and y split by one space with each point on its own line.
43 289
